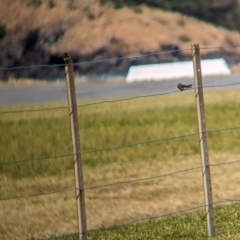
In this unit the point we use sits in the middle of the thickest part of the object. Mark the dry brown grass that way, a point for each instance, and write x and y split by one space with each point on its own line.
93 28
55 214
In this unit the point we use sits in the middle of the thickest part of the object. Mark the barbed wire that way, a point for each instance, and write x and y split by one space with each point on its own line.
141 179
120 146
221 85
147 219
114 58
89 104
37 159
140 143
153 95
130 98
34 110
38 194
121 182
161 216
93 61
117 100
224 46
159 176
66 235
158 140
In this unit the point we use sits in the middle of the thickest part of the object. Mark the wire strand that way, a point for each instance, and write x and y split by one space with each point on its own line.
140 143
159 176
146 219
38 194
33 110
37 159
119 147
224 46
161 216
94 61
158 140
114 58
141 179
120 182
117 100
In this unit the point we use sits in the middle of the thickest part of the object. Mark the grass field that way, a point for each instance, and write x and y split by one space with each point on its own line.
186 227
43 133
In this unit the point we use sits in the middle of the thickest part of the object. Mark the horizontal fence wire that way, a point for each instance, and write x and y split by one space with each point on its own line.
224 46
38 194
33 110
124 225
94 61
154 95
140 143
160 176
90 104
146 219
120 146
122 182
162 216
158 140
116 58
38 159
115 101
63 236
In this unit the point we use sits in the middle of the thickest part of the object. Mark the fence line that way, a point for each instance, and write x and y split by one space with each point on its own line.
159 140
115 58
160 176
96 61
36 159
163 216
121 182
119 147
123 146
34 110
149 218
117 100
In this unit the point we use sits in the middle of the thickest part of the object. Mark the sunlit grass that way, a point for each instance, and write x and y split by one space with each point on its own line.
147 121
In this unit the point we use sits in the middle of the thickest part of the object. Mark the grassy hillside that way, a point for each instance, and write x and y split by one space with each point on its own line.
36 34
126 30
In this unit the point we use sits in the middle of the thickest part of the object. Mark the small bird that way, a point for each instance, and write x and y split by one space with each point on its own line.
66 57
182 87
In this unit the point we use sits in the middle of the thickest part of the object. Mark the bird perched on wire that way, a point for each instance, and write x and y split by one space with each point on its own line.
66 57
182 87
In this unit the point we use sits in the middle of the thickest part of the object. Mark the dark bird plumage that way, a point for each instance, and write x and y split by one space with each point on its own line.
66 57
182 87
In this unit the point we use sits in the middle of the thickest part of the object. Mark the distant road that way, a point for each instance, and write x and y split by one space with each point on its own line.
87 91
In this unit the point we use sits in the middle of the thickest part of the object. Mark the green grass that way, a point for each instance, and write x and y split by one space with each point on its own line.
40 134
44 133
191 226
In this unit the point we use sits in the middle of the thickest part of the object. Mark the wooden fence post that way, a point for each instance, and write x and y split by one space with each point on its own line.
72 106
203 139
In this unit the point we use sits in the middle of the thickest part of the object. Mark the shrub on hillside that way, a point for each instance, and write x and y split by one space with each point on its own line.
220 12
2 31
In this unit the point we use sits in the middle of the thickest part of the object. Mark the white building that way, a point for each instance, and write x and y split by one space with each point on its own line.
168 71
